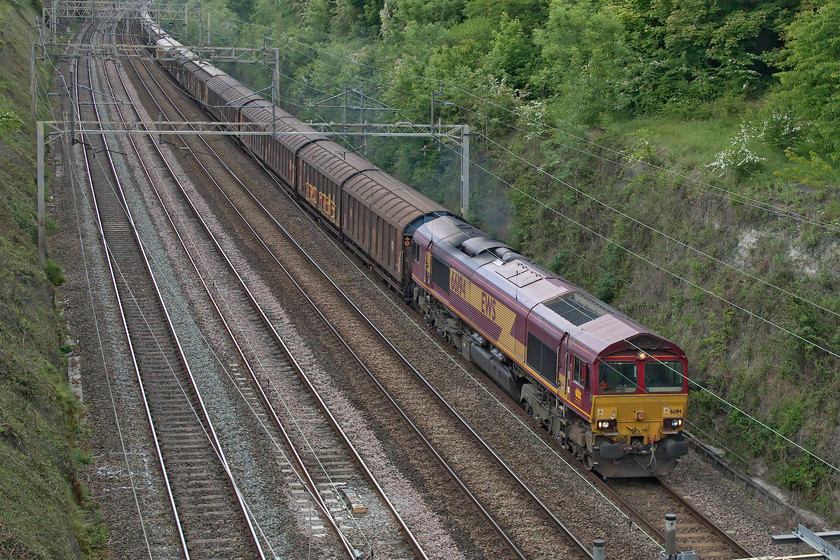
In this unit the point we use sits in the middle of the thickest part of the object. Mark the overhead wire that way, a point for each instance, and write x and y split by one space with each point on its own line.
657 231
738 196
46 102
112 186
624 214
735 196
308 85
277 390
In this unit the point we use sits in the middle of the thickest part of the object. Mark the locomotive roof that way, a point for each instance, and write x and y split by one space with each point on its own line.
591 323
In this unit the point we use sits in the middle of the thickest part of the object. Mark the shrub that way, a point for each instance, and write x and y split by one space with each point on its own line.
54 273
9 120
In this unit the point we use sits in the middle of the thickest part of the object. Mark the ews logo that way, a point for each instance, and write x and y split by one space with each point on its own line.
488 306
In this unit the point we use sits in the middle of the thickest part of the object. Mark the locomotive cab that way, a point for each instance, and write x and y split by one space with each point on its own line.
638 402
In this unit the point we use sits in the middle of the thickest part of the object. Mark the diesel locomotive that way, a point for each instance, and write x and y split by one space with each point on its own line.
609 389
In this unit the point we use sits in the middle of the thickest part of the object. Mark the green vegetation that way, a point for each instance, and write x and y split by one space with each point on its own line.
678 159
44 512
811 67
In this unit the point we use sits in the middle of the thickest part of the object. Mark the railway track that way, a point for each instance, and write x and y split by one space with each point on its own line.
325 463
650 499
512 512
208 511
307 459
194 502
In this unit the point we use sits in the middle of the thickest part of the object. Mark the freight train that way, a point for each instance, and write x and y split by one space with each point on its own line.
608 388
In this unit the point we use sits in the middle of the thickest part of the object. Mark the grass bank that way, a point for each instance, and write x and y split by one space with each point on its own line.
44 512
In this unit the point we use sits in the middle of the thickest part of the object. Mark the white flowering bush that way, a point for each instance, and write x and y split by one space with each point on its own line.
533 114
779 130
782 131
9 121
739 156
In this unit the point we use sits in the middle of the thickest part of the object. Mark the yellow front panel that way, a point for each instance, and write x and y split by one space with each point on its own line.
626 408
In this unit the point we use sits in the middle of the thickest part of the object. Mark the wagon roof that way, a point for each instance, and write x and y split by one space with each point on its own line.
390 198
239 94
306 135
203 65
222 83
259 110
203 73
333 160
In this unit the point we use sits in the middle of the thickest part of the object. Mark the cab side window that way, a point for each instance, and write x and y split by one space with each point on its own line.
440 274
579 370
415 252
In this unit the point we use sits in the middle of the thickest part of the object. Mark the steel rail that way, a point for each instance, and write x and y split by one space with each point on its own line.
725 537
309 483
361 363
215 438
550 514
204 417
647 524
120 305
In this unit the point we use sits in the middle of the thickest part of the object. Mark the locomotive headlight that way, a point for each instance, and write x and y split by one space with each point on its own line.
606 424
673 422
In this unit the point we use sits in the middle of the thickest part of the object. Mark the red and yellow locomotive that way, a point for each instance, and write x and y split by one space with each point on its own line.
611 390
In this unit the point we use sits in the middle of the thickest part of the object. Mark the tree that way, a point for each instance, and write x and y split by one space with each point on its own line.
530 13
513 56
694 51
812 70
584 55
243 9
